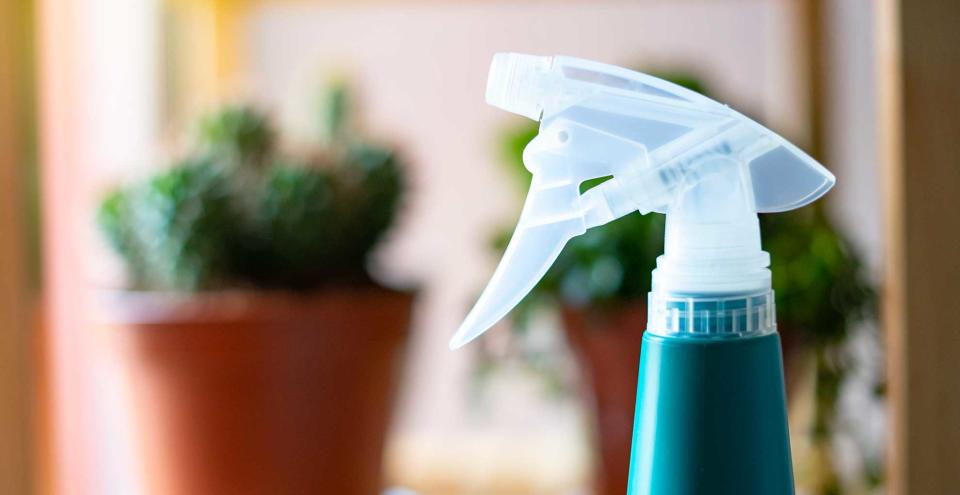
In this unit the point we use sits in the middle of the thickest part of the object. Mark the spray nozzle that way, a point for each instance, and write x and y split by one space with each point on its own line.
665 149
514 83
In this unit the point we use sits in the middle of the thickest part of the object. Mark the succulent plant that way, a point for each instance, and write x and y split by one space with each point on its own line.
296 227
333 112
176 229
236 213
236 134
369 184
321 222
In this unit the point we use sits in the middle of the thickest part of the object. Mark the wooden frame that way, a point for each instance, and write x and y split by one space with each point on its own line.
15 303
919 65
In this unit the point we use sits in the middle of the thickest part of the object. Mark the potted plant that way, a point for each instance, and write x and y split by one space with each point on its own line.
600 281
259 353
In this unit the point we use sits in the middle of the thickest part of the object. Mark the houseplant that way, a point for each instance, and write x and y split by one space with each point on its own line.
601 279
259 352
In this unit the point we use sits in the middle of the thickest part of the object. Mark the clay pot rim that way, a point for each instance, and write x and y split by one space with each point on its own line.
146 308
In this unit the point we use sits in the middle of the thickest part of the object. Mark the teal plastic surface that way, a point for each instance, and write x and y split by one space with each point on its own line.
711 418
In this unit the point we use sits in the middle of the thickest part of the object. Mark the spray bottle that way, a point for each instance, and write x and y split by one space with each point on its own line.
711 406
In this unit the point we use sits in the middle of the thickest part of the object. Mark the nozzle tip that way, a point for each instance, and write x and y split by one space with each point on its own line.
458 341
512 84
465 334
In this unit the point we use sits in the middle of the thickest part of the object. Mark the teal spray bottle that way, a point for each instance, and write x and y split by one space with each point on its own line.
711 407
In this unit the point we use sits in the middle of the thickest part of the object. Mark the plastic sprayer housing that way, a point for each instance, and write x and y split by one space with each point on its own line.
665 149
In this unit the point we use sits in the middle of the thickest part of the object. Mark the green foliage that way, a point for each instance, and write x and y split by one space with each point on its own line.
235 213
174 229
369 187
293 240
334 104
320 223
236 134
817 277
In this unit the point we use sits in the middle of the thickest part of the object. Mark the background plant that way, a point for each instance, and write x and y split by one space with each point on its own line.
238 212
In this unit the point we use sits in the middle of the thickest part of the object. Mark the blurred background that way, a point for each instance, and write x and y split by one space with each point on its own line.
238 234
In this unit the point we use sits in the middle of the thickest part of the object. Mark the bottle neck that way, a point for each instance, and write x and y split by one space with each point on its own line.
712 294
711 316
713 279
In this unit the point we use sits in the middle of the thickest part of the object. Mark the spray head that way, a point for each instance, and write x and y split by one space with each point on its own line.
664 149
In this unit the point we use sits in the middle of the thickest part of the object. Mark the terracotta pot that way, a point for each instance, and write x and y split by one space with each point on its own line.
256 393
607 347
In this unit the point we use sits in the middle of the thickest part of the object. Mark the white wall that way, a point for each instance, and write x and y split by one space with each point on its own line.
851 123
852 149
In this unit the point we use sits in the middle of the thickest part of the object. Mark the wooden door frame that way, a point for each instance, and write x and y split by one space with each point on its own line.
919 65
15 300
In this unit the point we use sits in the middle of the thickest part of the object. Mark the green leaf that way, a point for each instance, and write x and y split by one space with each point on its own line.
236 135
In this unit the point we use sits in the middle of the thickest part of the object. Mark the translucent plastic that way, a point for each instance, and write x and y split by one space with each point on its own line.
711 317
666 149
